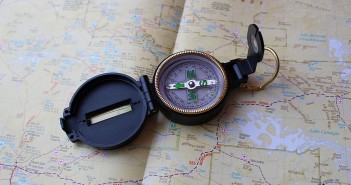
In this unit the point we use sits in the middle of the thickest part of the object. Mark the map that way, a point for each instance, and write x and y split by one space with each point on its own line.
296 131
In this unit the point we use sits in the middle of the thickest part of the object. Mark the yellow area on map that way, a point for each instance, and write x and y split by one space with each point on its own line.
297 131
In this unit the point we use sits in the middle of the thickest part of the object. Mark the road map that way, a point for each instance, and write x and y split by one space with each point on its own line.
297 131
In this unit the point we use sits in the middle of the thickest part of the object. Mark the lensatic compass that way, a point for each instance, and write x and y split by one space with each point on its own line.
189 87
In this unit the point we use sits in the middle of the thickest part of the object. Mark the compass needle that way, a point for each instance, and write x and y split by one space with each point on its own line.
191 84
176 86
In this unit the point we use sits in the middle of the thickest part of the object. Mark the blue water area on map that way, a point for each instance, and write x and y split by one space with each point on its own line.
164 169
342 125
175 19
31 59
62 70
278 85
201 170
184 167
93 25
210 28
47 53
226 124
111 52
174 25
111 70
235 175
168 22
111 17
312 37
29 41
67 61
95 57
209 136
137 18
80 52
67 36
22 177
239 120
106 11
7 160
244 38
36 130
77 24
11 145
48 103
17 43
313 65
164 22
1 143
260 78
107 51
172 125
288 94
199 49
38 44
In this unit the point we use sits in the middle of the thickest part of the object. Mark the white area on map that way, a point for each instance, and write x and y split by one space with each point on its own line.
258 126
346 73
337 49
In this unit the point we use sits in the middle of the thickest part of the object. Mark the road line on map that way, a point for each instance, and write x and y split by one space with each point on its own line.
42 173
13 171
217 143
164 176
282 61
339 114
218 121
248 162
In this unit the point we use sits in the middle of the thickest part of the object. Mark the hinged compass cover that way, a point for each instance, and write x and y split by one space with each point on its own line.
108 110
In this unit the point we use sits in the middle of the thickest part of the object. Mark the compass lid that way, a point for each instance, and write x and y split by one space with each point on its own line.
108 110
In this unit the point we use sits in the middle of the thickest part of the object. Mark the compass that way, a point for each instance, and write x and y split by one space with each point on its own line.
189 87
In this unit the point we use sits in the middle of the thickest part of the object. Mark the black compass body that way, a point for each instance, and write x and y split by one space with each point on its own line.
189 87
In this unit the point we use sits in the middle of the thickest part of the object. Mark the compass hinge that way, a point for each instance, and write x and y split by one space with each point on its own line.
67 126
146 88
235 72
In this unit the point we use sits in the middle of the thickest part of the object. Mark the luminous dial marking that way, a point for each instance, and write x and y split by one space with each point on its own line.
192 84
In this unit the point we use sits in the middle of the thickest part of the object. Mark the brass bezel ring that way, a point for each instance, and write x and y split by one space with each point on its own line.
263 86
195 111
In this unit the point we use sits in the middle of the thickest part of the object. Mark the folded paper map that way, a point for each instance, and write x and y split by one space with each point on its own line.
296 131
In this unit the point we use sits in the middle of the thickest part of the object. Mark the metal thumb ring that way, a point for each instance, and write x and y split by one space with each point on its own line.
263 86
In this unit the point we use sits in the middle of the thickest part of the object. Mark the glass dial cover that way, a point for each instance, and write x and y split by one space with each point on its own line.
190 82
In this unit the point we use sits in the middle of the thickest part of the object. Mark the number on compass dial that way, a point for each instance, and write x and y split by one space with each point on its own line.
191 84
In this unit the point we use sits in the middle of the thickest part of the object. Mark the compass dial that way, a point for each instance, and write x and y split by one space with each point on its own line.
190 82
